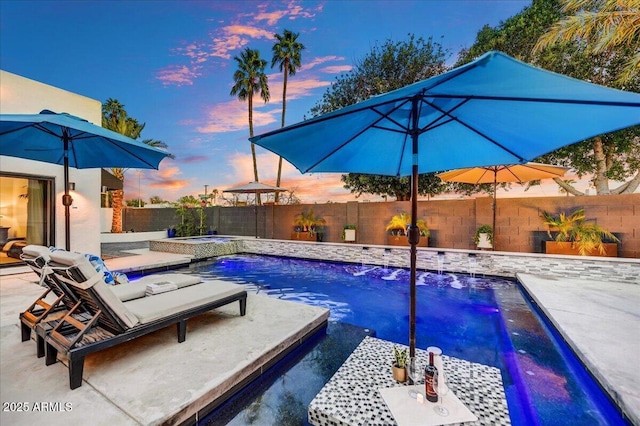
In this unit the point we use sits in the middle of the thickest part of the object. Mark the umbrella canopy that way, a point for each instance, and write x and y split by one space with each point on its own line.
506 173
255 188
72 142
494 110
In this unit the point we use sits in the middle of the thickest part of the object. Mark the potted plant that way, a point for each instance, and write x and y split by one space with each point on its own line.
399 365
397 231
484 237
349 233
574 235
308 226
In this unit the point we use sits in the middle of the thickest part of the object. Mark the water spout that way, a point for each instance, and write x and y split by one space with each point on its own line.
473 262
365 257
440 259
385 258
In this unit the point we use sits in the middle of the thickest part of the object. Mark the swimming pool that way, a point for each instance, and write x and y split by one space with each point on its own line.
478 319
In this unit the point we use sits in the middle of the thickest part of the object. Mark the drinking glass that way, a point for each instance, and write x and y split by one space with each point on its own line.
441 389
415 370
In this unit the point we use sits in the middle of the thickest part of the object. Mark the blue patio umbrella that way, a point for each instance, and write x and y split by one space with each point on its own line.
494 110
72 142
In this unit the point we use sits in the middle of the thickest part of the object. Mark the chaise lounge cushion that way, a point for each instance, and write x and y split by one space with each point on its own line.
34 251
149 309
93 279
137 289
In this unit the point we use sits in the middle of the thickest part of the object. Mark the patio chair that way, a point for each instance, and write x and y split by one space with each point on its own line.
44 309
113 321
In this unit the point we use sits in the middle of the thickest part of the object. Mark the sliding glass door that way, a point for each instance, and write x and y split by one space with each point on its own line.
26 214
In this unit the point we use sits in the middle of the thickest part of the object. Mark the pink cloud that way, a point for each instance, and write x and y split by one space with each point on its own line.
272 18
337 69
195 159
222 45
229 38
310 188
319 61
233 115
177 75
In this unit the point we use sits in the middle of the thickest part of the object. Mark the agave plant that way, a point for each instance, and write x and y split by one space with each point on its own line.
573 228
399 223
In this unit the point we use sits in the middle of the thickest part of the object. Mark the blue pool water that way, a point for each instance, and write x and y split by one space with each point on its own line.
485 320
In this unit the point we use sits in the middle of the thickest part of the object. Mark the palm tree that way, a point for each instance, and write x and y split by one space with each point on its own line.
287 54
115 117
603 24
250 79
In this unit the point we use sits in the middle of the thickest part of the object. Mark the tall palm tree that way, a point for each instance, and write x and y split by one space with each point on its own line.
115 117
603 24
287 54
250 79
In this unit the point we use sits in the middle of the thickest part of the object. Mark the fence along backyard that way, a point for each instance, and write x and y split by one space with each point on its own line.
452 223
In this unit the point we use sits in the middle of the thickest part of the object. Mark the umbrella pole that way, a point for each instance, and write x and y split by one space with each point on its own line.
66 198
414 232
493 226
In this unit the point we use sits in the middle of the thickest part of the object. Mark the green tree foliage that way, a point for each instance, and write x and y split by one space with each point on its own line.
136 202
250 79
390 186
287 54
115 118
387 67
602 25
189 200
191 217
613 156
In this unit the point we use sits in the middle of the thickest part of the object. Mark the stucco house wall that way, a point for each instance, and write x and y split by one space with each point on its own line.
20 95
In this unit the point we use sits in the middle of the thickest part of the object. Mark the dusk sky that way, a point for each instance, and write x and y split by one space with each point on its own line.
171 64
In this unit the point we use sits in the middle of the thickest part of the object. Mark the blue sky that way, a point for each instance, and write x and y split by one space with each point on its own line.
171 64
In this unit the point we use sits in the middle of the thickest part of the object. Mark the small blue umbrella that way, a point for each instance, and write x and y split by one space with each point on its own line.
494 110
72 142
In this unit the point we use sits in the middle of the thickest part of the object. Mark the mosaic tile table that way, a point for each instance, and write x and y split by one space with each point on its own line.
351 397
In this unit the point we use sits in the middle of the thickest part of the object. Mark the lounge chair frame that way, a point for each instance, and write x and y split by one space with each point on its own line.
68 336
38 312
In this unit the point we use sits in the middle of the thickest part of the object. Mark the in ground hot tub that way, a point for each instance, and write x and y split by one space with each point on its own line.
199 247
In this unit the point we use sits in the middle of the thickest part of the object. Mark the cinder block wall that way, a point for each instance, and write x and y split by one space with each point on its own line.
452 222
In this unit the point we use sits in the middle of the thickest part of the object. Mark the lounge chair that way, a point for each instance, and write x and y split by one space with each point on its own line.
113 321
37 257
44 308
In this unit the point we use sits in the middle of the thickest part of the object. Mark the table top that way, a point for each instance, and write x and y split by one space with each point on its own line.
351 397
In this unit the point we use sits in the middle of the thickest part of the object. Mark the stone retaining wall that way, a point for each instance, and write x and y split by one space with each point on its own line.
502 264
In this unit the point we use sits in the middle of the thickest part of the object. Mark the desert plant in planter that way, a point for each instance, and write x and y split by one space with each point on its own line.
399 365
308 223
397 230
484 237
575 233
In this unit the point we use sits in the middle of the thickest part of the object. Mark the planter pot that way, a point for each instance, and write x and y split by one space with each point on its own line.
402 240
304 236
349 235
484 242
399 374
171 232
554 247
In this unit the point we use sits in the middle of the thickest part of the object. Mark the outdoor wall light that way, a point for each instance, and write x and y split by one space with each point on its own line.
72 186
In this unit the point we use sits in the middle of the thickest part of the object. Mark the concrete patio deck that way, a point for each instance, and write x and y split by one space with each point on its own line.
155 379
601 322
